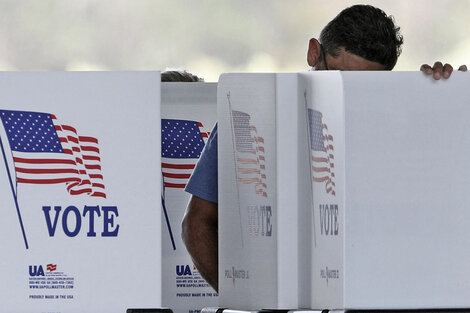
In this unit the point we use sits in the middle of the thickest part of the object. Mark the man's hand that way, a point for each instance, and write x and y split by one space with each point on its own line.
439 70
200 235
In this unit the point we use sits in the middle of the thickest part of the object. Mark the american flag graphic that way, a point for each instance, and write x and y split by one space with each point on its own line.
182 144
250 154
51 267
321 144
47 152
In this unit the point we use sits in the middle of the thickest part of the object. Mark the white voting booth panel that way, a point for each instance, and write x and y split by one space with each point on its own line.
261 123
79 182
392 223
189 111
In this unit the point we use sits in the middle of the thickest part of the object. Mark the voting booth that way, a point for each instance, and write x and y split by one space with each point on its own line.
79 183
188 114
351 187
263 178
391 216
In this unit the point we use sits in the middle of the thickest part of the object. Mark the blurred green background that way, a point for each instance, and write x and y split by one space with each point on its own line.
209 37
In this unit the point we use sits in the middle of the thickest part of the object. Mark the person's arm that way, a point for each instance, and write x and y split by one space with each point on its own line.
200 235
439 70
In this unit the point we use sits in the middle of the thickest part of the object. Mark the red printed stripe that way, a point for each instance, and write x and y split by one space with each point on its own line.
47 181
172 185
88 139
172 175
92 167
69 128
99 194
96 176
43 161
73 139
91 158
45 171
90 148
80 192
178 166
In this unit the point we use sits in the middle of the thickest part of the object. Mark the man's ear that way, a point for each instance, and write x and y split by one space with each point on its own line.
314 52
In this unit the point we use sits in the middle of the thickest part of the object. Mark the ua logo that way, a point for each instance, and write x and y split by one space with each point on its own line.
36 270
182 270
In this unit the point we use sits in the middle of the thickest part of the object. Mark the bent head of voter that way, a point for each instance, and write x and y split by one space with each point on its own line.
170 75
360 37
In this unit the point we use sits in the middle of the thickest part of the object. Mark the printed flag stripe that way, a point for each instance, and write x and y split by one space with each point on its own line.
178 166
42 161
320 160
90 149
171 175
173 185
249 171
68 128
256 181
324 179
91 158
88 139
47 181
76 186
80 192
31 177
46 171
323 159
321 169
73 139
247 161
83 183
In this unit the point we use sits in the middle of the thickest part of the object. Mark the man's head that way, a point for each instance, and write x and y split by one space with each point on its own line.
361 37
179 76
